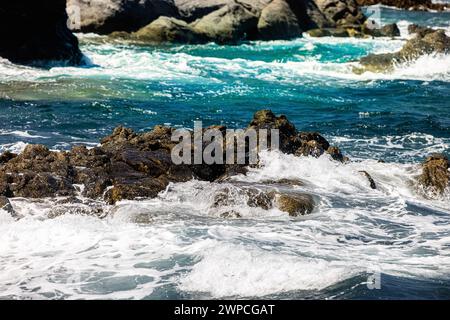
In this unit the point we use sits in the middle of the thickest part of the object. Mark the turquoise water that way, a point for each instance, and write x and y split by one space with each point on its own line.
187 251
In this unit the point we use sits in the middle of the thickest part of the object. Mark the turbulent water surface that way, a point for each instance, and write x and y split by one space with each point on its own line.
177 246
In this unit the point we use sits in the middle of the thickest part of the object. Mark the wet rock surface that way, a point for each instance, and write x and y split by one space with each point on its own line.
425 42
130 165
295 203
435 177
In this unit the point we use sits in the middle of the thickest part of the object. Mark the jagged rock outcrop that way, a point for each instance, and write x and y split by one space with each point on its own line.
106 16
35 32
423 43
129 165
435 177
407 4
341 12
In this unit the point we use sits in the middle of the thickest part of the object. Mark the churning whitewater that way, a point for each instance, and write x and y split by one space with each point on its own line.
178 245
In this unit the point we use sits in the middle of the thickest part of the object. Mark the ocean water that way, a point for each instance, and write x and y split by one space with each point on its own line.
177 246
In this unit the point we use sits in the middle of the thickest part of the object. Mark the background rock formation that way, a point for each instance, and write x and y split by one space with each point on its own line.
222 21
406 4
36 32
106 16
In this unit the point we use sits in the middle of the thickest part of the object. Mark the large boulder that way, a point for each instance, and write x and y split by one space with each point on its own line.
106 16
435 177
166 29
278 21
422 44
230 24
191 10
35 32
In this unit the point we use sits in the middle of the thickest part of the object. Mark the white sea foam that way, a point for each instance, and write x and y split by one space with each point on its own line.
16 147
112 62
179 240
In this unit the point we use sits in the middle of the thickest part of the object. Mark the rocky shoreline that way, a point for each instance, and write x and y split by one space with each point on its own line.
131 166
418 5
426 41
192 22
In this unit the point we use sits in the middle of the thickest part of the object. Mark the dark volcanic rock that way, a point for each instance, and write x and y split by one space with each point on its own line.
35 32
292 141
130 165
435 176
422 31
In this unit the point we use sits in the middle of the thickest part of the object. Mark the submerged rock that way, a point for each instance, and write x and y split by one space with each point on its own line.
435 177
421 44
373 185
296 204
35 32
357 31
293 202
292 141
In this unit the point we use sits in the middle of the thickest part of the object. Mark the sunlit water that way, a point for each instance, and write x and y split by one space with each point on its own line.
177 246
